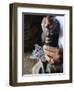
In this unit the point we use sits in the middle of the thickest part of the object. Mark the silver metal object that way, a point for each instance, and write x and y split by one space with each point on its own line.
38 53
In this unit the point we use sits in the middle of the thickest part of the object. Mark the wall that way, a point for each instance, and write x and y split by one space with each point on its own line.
4 46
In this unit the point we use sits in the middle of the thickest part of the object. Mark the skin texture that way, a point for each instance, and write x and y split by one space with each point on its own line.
52 54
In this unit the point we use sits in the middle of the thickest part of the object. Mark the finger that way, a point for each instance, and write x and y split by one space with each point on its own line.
49 53
55 56
49 48
49 59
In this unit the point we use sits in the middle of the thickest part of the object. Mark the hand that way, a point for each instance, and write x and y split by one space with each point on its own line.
53 55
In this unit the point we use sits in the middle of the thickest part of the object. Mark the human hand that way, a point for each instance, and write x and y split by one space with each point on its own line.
53 54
